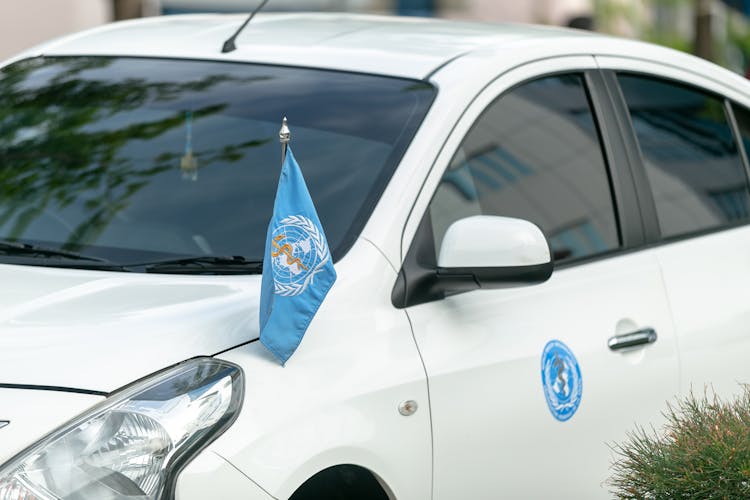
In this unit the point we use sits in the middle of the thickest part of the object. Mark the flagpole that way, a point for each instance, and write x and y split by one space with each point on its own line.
284 137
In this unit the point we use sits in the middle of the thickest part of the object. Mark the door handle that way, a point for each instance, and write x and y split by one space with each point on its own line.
632 339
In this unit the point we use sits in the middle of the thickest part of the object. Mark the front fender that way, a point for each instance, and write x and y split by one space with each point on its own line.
336 400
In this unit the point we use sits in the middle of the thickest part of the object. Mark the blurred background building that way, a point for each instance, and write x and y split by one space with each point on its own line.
718 30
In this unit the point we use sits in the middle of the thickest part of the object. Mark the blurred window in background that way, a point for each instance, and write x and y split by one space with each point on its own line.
690 155
535 154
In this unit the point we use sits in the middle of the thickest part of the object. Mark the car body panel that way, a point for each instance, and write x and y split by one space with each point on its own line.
131 324
211 476
32 413
709 273
483 355
336 401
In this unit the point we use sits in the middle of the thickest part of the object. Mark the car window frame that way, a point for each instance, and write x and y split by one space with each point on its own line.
419 255
612 190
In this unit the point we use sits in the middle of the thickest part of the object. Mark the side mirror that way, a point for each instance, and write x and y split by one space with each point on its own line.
487 251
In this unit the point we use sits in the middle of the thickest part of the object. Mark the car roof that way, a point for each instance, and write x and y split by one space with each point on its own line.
397 46
409 47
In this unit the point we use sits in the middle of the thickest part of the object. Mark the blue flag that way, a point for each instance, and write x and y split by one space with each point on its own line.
297 266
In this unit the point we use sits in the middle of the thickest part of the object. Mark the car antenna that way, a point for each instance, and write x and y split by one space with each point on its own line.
229 45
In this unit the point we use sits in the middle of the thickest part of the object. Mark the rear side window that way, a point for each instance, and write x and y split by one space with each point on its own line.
534 154
689 153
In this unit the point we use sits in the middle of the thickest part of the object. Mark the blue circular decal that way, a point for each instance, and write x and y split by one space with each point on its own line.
561 379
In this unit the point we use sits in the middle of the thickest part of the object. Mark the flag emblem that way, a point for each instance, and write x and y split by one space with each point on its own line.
299 253
297 268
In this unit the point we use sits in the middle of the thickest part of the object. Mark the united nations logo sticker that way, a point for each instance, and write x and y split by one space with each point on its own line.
561 380
298 252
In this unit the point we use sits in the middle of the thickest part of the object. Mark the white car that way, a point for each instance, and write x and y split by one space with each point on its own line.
540 237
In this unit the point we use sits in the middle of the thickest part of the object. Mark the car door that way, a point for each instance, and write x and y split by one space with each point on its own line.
694 163
525 394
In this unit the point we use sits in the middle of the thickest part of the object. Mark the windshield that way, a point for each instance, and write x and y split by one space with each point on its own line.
136 159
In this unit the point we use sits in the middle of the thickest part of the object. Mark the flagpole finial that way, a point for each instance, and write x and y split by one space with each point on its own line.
285 135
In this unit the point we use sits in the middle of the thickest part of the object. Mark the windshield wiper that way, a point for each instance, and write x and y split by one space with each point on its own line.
203 264
16 248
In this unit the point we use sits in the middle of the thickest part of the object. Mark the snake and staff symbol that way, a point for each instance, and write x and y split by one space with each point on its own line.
561 382
287 250
298 252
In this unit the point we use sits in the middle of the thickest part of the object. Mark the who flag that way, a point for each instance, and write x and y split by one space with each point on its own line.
297 266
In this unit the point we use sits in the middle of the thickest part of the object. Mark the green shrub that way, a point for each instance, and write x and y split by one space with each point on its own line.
703 452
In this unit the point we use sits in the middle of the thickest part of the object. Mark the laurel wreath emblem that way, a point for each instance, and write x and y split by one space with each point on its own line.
321 249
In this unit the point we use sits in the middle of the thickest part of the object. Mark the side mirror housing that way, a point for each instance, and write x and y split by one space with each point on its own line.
476 252
492 252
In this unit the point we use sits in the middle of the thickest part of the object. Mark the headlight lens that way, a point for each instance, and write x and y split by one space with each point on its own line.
131 445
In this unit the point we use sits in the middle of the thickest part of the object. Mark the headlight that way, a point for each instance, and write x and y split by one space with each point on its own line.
132 445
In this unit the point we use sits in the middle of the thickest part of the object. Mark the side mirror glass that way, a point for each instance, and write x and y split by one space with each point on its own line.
487 251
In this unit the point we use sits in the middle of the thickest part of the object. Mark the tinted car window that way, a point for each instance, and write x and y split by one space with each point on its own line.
690 155
132 159
534 154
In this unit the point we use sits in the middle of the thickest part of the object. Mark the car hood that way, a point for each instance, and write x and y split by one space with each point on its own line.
98 331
